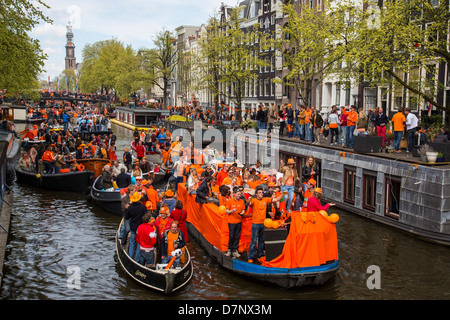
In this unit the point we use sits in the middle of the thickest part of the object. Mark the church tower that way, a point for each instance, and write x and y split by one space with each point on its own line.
70 48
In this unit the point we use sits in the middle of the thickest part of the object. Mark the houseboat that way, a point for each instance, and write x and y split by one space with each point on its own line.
14 113
140 117
401 192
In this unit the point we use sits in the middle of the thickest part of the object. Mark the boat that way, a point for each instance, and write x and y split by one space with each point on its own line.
80 181
94 165
111 201
304 255
35 121
159 279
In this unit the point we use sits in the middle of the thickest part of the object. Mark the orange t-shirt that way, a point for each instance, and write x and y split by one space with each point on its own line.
239 205
259 209
398 120
308 116
253 184
171 238
352 117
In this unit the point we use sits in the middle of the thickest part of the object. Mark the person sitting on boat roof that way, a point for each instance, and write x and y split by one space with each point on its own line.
163 221
204 190
314 202
146 238
259 206
171 240
25 162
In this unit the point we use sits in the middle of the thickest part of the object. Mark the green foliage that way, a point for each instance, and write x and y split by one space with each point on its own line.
21 58
110 65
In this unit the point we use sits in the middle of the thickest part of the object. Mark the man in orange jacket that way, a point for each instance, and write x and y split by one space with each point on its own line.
352 117
47 159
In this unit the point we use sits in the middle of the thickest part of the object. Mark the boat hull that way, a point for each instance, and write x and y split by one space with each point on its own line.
111 201
163 281
280 277
72 181
108 200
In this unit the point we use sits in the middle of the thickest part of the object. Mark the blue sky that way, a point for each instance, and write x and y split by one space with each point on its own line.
134 22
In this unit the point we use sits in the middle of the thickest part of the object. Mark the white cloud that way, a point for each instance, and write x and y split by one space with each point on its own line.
47 29
134 22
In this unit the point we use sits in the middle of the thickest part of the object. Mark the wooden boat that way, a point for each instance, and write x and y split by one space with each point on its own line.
94 165
163 280
71 181
205 225
111 201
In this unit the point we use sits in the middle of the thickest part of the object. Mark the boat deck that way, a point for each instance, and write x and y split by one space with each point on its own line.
400 156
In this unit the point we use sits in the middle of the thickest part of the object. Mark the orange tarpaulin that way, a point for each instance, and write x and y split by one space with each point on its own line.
312 241
211 223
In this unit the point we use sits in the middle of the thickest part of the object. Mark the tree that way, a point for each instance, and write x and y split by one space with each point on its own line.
209 60
21 57
399 45
310 44
111 66
165 61
239 57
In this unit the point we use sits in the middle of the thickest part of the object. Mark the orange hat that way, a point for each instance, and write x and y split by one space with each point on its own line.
164 210
135 197
313 182
271 184
144 182
126 149
169 193
291 161
318 190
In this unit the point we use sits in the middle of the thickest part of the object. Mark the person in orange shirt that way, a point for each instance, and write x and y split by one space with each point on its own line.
235 210
152 197
259 209
48 158
352 117
222 174
399 122
308 132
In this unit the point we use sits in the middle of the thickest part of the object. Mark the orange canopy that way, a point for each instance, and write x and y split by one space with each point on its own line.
211 223
312 241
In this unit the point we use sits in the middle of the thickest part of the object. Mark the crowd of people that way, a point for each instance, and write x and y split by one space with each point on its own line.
269 193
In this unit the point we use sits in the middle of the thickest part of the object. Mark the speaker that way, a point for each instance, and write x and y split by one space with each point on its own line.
367 144
274 240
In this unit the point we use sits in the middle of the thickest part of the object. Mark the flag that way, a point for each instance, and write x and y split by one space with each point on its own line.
429 108
57 82
67 82
76 84
49 83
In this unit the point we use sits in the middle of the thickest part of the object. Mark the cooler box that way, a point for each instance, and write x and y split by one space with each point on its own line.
274 240
367 144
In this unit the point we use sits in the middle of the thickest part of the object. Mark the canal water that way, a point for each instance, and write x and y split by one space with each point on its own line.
58 238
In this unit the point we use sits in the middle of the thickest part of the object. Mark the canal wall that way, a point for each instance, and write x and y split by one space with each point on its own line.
5 219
